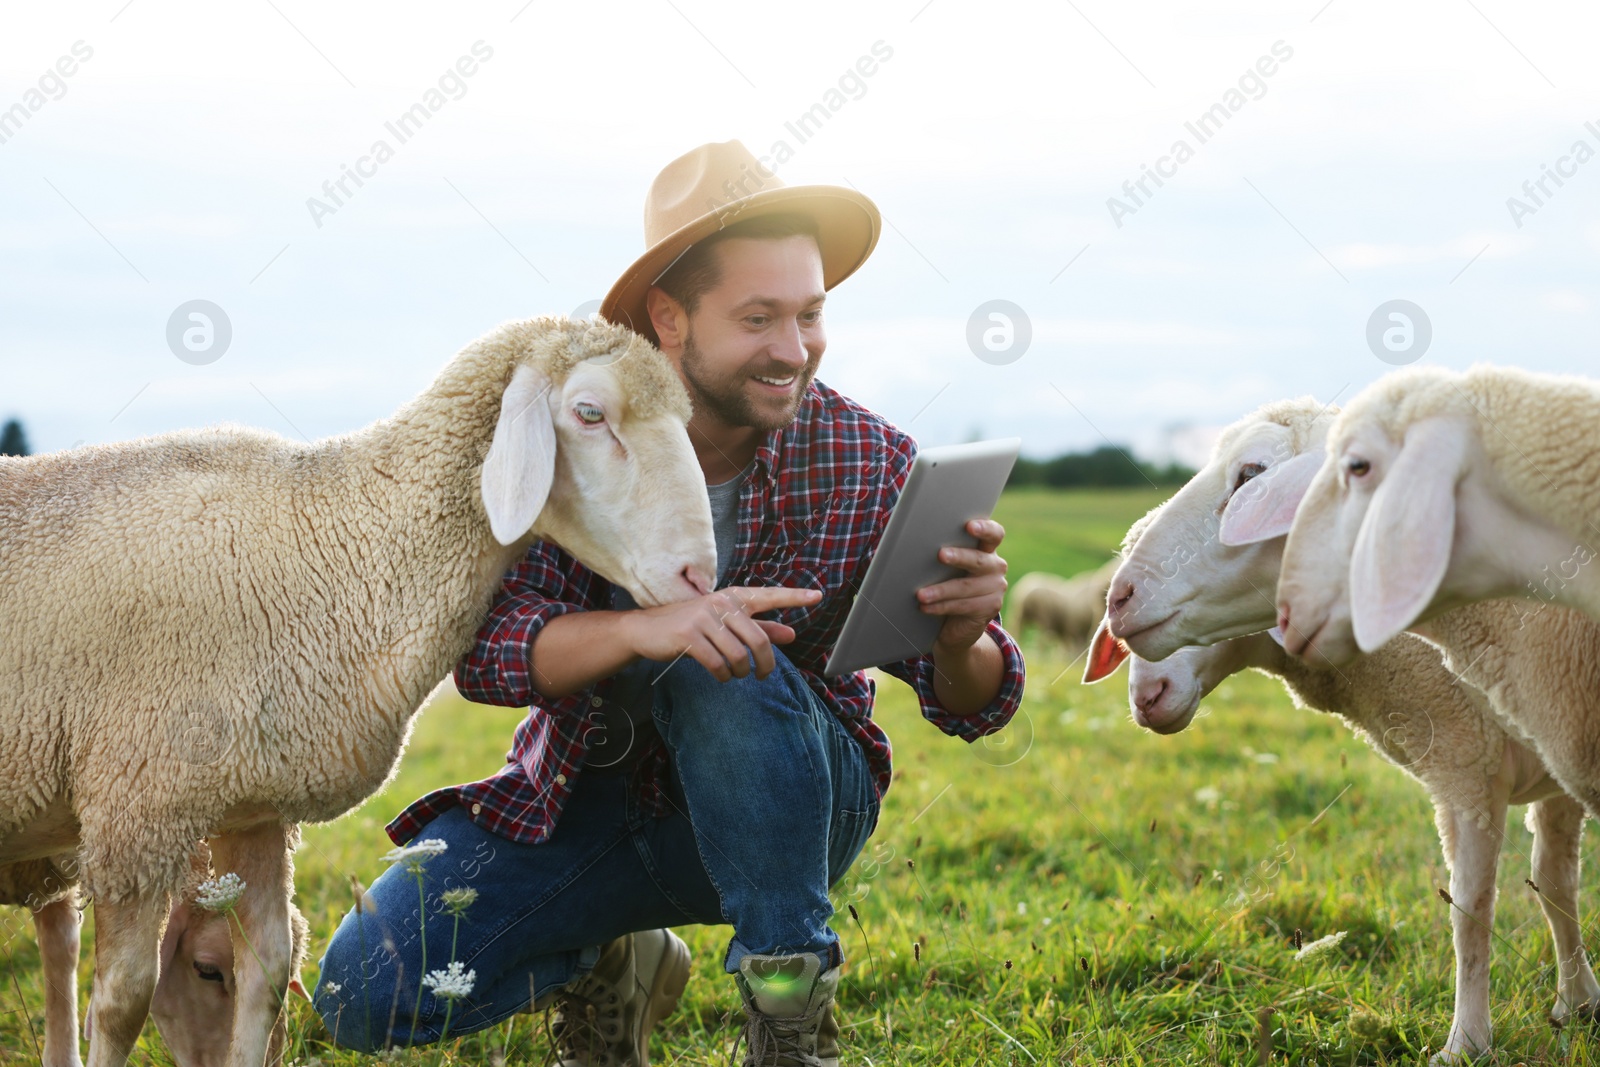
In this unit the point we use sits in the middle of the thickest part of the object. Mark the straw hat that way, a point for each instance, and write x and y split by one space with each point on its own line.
716 185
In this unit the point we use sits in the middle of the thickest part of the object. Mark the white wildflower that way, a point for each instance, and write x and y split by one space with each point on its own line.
417 853
451 983
331 988
220 894
1320 945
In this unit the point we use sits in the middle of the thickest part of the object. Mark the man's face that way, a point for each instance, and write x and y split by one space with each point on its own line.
754 341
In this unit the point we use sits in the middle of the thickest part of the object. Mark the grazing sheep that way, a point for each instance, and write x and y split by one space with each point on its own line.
1178 585
1441 488
191 1007
220 634
1414 710
1068 609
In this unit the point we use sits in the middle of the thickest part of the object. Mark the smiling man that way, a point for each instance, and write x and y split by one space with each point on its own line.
688 763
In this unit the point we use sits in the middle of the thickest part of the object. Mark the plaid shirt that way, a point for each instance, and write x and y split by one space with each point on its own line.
810 515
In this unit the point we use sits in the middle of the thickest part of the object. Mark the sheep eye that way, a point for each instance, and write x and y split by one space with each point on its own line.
1357 466
207 972
589 413
1248 471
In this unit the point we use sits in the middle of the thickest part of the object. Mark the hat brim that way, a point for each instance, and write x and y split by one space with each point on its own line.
848 226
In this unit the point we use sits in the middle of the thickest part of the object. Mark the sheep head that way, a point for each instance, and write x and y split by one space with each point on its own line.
591 451
1183 580
1406 519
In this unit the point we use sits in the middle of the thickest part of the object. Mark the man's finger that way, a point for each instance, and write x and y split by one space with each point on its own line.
759 598
776 632
986 607
755 639
957 588
705 653
728 644
988 532
971 559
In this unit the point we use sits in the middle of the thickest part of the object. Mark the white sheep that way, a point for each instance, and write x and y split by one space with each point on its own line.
191 1007
1178 584
1067 609
1440 488
1414 710
220 634
1182 583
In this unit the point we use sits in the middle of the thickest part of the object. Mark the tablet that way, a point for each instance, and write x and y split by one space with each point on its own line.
947 488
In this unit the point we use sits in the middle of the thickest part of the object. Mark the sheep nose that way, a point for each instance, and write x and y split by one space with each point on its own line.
697 579
1120 597
1283 618
1151 696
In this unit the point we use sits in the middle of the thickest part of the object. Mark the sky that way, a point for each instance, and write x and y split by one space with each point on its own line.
1335 156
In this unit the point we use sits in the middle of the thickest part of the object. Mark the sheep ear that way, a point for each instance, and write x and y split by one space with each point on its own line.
1264 507
298 988
1106 654
1403 548
521 462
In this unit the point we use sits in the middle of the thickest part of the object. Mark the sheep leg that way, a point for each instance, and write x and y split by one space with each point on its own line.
56 926
1557 825
261 938
127 962
1476 840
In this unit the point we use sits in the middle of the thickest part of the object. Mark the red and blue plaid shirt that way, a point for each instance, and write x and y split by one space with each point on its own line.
810 515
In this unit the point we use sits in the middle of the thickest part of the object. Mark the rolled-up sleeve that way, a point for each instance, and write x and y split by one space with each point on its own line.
918 673
499 668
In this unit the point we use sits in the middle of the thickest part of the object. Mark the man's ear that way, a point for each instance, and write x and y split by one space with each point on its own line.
1263 508
1402 550
667 317
521 463
1106 654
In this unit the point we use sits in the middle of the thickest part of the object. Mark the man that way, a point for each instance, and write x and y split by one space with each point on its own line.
686 763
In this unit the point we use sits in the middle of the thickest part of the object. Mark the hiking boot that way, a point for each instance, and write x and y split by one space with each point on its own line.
604 1019
788 1006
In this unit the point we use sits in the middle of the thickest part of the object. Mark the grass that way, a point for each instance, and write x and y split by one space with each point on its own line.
1075 890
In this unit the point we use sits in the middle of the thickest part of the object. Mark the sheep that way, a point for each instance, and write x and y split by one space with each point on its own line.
1413 709
221 634
1440 488
1178 585
1184 583
1068 609
190 1007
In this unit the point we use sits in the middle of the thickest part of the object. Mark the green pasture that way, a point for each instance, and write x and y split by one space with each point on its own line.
1075 890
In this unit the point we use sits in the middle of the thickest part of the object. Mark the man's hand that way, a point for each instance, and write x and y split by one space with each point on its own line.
718 629
970 602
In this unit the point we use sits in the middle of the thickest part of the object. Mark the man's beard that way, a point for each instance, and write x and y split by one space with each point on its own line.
726 398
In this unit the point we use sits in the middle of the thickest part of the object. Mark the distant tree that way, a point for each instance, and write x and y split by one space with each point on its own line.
1107 467
13 442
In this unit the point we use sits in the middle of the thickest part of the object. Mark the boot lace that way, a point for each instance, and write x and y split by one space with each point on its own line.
587 1024
771 1041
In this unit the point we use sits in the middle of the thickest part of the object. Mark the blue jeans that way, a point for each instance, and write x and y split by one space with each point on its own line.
771 800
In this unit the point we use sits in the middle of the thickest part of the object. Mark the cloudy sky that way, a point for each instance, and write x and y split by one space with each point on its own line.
1355 153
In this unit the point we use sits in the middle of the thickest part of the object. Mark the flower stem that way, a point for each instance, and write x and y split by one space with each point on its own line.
422 935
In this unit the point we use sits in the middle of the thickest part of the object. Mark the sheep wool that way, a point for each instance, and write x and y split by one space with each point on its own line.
1539 664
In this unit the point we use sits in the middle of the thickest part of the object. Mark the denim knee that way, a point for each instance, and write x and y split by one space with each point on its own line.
352 993
690 690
